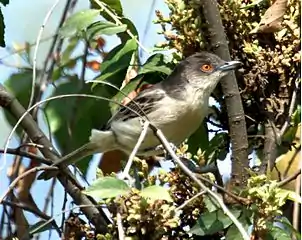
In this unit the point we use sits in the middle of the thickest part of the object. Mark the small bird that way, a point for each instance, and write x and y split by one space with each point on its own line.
176 106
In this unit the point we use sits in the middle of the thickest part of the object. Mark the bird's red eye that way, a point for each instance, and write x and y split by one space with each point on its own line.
207 68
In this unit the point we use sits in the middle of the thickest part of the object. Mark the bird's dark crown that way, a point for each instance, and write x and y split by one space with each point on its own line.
201 58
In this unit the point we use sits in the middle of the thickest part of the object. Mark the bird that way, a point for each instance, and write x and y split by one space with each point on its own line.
177 106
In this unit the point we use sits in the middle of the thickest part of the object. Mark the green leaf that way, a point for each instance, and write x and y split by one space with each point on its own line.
67 114
2 29
289 227
210 205
296 117
130 27
278 233
117 60
107 187
199 139
218 147
66 54
156 63
39 227
78 22
233 232
114 5
156 193
213 222
288 195
19 84
104 28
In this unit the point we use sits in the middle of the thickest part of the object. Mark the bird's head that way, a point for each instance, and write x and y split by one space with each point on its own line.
204 70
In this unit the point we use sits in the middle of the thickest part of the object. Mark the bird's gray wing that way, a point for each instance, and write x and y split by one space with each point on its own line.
142 104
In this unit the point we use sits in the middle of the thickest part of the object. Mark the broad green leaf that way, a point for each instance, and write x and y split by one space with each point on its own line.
104 28
210 205
2 29
39 227
290 134
78 22
288 195
233 232
278 233
119 55
156 63
19 84
296 117
213 222
286 223
114 5
117 60
218 147
130 27
199 139
66 54
156 193
107 187
76 115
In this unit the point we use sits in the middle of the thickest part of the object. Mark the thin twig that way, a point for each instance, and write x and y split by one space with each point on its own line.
232 195
36 51
290 178
119 23
190 200
83 206
32 210
50 99
120 229
17 151
97 217
125 173
213 195
296 206
30 171
291 109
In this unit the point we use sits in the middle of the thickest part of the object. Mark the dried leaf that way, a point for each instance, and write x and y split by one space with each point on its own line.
271 20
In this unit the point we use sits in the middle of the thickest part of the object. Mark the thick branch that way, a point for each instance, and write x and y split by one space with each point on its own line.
10 103
236 119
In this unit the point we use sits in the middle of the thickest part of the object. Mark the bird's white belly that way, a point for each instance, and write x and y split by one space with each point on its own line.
176 122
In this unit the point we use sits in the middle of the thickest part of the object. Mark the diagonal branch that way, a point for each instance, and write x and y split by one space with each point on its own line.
10 103
236 118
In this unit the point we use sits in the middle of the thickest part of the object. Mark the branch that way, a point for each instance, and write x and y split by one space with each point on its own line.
10 103
17 151
270 148
213 195
34 211
290 178
236 117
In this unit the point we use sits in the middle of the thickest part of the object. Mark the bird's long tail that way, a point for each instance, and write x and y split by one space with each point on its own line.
99 141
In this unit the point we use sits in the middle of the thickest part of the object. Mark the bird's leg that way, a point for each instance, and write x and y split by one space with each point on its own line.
162 149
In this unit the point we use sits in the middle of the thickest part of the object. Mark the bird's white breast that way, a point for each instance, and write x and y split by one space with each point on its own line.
177 119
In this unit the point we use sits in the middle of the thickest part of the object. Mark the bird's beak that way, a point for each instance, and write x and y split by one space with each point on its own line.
229 66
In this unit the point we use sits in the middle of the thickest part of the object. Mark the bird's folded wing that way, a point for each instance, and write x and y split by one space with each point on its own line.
140 106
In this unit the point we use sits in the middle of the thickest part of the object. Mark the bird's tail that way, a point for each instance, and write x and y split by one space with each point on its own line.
99 141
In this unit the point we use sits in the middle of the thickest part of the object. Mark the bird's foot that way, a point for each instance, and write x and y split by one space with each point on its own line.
165 151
